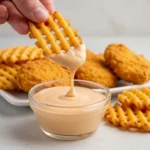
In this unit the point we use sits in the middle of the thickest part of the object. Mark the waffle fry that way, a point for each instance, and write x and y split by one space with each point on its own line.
1 51
127 118
55 34
20 54
8 76
136 98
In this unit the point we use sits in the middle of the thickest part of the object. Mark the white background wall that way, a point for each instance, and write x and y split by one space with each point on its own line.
103 17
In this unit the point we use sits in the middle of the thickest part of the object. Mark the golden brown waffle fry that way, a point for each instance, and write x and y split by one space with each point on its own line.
126 117
55 34
20 53
8 76
1 51
137 98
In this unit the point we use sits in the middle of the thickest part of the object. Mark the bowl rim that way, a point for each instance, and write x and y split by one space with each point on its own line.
32 100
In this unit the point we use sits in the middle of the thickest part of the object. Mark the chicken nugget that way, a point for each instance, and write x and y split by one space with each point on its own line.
101 57
126 64
90 54
38 71
95 70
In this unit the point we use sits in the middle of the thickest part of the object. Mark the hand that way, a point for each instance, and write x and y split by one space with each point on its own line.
16 12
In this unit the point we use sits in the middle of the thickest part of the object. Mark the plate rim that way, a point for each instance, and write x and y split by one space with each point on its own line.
114 90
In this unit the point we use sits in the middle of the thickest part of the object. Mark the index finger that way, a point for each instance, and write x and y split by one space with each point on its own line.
49 5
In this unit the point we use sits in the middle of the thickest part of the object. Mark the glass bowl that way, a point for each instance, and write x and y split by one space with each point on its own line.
69 122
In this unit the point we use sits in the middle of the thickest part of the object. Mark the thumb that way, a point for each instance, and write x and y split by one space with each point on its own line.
3 14
32 9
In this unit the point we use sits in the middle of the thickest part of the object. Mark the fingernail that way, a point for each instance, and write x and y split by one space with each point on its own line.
41 14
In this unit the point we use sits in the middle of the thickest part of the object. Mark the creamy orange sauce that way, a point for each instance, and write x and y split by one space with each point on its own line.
72 60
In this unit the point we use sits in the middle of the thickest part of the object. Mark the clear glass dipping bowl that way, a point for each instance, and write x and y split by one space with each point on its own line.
69 123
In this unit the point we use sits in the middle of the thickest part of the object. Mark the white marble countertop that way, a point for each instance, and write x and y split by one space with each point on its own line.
19 130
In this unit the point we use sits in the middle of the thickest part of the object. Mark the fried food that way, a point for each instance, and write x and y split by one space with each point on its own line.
101 57
20 54
55 34
90 55
38 71
96 70
127 118
136 98
126 64
1 50
8 74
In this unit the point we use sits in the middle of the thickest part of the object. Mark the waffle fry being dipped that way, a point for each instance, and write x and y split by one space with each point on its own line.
137 98
128 118
54 35
20 54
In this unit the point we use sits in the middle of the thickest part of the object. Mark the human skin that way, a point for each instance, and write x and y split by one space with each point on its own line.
17 12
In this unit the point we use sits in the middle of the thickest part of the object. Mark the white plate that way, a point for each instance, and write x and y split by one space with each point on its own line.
15 98
21 98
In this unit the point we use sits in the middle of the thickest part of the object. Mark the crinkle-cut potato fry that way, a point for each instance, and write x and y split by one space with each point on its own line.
135 97
8 74
128 118
1 51
54 35
20 54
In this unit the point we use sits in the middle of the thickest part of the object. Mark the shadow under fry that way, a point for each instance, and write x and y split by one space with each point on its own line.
130 129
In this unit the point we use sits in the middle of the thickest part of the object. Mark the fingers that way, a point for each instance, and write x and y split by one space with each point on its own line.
15 19
3 14
32 9
49 5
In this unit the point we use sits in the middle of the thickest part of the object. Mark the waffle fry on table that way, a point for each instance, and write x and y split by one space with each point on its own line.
1 51
20 54
137 98
54 35
127 118
8 74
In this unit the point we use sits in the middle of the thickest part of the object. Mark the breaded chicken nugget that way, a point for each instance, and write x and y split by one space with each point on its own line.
126 64
34 72
101 58
96 70
90 54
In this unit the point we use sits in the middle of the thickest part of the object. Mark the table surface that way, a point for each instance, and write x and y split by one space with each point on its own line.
19 129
